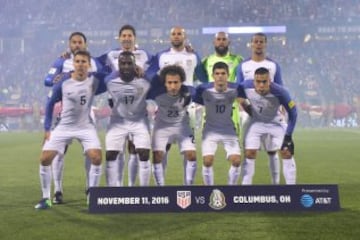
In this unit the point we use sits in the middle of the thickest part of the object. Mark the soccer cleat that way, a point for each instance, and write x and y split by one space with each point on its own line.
58 198
44 203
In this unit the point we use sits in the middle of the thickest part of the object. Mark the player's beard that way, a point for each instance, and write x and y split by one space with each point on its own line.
222 50
127 76
127 45
177 44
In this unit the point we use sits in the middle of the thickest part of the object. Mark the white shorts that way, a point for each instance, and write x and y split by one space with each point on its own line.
270 134
165 133
60 137
211 138
117 134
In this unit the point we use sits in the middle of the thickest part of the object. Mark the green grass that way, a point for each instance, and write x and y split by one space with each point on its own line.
323 157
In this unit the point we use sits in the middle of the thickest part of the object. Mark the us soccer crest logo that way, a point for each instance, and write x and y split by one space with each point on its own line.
183 199
217 200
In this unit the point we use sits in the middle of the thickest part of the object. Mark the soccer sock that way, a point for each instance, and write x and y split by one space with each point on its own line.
191 167
164 162
159 174
289 170
132 169
274 166
87 163
57 166
144 173
184 170
248 171
111 173
45 180
94 175
208 175
234 173
121 163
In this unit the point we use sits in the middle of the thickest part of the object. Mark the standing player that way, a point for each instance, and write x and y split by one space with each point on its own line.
265 98
218 97
76 91
177 54
172 123
128 118
127 39
246 71
77 41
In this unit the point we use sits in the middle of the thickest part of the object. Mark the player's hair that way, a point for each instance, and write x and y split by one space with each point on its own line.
78 34
127 27
259 34
172 70
220 65
261 71
83 53
127 54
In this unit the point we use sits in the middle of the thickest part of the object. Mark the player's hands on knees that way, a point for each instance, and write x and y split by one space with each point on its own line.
288 144
58 77
65 55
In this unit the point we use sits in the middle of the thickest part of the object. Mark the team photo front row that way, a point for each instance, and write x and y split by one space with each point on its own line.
270 122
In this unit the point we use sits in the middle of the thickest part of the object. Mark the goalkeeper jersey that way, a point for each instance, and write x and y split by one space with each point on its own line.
231 60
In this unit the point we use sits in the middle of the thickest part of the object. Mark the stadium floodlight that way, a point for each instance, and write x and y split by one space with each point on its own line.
245 29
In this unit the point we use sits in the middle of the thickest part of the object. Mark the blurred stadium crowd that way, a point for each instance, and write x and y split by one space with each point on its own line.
319 53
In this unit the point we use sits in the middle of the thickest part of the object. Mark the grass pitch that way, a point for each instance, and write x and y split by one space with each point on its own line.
323 157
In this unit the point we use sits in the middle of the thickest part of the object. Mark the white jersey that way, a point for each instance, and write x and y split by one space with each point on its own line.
76 97
218 105
187 60
246 70
111 58
129 97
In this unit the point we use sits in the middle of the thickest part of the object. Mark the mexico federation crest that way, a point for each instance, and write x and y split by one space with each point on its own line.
217 200
183 199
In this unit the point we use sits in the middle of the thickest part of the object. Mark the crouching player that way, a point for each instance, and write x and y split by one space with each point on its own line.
172 122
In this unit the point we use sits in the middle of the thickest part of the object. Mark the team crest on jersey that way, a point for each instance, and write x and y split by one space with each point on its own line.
183 199
217 200
291 104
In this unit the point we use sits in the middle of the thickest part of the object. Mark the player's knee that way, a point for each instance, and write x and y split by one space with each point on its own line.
158 156
235 160
144 154
285 154
111 155
190 155
95 156
208 160
168 146
47 157
250 153
131 147
271 153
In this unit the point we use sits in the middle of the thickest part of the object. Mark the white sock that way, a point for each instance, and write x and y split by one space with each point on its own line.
191 167
234 173
208 175
159 174
87 164
121 164
289 170
274 166
57 166
184 170
164 162
144 173
45 180
132 169
111 173
248 171
94 175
